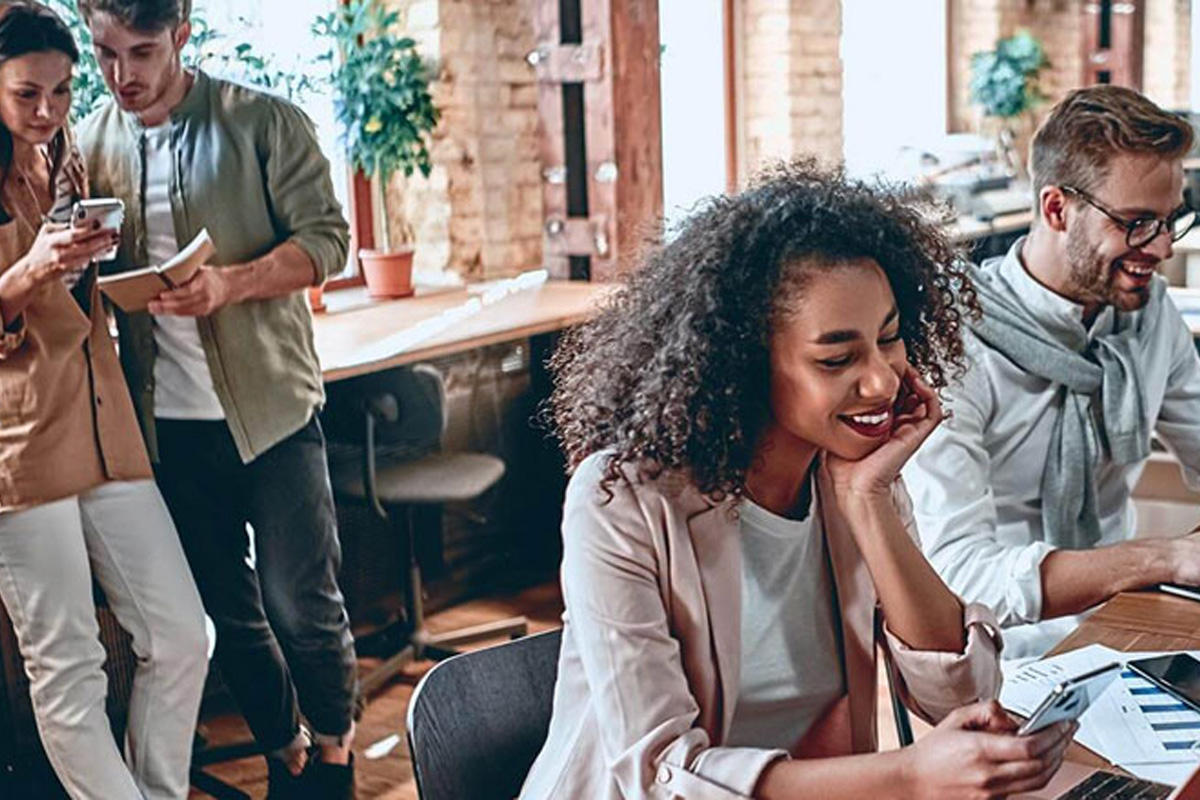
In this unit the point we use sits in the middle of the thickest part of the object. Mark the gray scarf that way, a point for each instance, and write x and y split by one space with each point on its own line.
1108 369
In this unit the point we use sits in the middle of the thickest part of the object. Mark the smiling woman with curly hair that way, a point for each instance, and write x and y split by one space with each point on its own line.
683 348
736 539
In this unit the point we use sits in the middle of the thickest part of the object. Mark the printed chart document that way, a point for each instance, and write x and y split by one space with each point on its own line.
134 289
1134 724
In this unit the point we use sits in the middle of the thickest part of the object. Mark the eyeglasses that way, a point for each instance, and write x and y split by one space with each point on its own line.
1143 230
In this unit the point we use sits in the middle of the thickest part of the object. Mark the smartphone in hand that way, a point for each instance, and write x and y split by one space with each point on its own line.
108 211
1070 698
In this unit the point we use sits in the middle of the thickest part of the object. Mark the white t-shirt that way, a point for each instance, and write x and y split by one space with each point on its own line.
183 386
791 657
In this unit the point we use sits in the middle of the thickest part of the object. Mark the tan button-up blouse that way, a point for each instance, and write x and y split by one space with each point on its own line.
66 420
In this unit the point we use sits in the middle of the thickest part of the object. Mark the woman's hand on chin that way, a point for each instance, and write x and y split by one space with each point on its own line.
917 412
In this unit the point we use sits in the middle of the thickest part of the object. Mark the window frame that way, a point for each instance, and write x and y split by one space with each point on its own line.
362 225
362 230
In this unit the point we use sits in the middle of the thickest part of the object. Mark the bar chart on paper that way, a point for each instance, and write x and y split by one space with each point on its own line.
1170 723
1133 723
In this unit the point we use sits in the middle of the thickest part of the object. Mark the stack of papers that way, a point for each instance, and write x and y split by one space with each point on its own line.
481 296
1133 724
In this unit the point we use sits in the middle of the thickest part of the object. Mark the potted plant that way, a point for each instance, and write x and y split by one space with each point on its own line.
386 113
1004 83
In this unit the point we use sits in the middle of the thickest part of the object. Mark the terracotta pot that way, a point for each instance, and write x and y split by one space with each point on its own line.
316 298
388 274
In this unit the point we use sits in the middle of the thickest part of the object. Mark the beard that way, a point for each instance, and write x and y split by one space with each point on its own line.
1094 277
153 92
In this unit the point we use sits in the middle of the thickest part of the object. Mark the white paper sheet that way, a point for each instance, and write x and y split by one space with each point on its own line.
1132 724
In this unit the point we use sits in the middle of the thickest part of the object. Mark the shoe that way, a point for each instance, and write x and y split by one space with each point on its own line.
324 781
281 783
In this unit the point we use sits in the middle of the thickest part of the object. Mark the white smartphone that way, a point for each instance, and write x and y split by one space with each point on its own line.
1070 698
110 211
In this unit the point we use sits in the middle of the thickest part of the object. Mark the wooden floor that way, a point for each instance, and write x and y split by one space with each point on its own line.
390 777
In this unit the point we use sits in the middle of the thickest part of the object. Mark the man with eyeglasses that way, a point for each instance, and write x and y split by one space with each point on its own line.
1023 495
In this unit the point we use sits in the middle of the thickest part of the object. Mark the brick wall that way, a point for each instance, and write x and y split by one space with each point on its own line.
479 213
790 81
976 25
1165 73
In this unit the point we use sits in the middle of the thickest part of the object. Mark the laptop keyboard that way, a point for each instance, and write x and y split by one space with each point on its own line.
1110 786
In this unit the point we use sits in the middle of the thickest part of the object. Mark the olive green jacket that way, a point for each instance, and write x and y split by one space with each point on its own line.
248 168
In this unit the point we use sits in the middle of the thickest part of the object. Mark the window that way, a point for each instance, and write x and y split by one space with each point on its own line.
693 105
894 62
280 31
1195 98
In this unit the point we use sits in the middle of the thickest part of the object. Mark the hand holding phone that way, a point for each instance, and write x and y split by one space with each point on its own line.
104 213
1070 698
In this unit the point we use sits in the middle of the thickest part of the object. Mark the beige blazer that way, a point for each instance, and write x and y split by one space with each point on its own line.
650 663
66 421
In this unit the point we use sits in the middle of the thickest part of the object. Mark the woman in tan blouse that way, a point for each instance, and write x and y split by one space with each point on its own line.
77 499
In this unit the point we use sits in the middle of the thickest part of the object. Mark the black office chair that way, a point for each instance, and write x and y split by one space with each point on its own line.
904 732
401 465
477 721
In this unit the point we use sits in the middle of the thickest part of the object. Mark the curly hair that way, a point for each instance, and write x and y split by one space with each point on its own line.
673 372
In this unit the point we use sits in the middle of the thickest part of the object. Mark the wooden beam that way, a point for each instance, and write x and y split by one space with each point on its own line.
730 36
550 135
637 125
612 61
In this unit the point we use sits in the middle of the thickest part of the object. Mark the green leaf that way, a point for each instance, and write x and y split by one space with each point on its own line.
1004 81
369 49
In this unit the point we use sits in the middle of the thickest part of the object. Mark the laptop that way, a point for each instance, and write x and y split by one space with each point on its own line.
1077 782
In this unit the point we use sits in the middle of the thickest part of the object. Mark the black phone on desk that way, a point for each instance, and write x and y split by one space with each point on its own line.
1178 674
1181 590
1068 699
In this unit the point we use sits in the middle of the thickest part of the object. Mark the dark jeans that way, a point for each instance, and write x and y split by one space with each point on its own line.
282 629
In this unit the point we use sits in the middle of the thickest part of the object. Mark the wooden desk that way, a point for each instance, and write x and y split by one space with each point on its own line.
357 336
1134 621
1139 621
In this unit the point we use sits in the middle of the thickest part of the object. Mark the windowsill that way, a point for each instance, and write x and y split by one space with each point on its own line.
350 298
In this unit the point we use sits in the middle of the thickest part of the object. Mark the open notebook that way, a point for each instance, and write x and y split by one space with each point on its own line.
132 290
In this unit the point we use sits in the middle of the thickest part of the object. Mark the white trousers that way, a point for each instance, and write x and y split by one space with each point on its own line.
121 534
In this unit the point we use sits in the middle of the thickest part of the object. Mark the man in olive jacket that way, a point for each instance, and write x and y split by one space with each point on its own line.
225 375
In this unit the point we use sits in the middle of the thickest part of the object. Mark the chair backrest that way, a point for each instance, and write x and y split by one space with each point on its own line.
477 721
419 395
